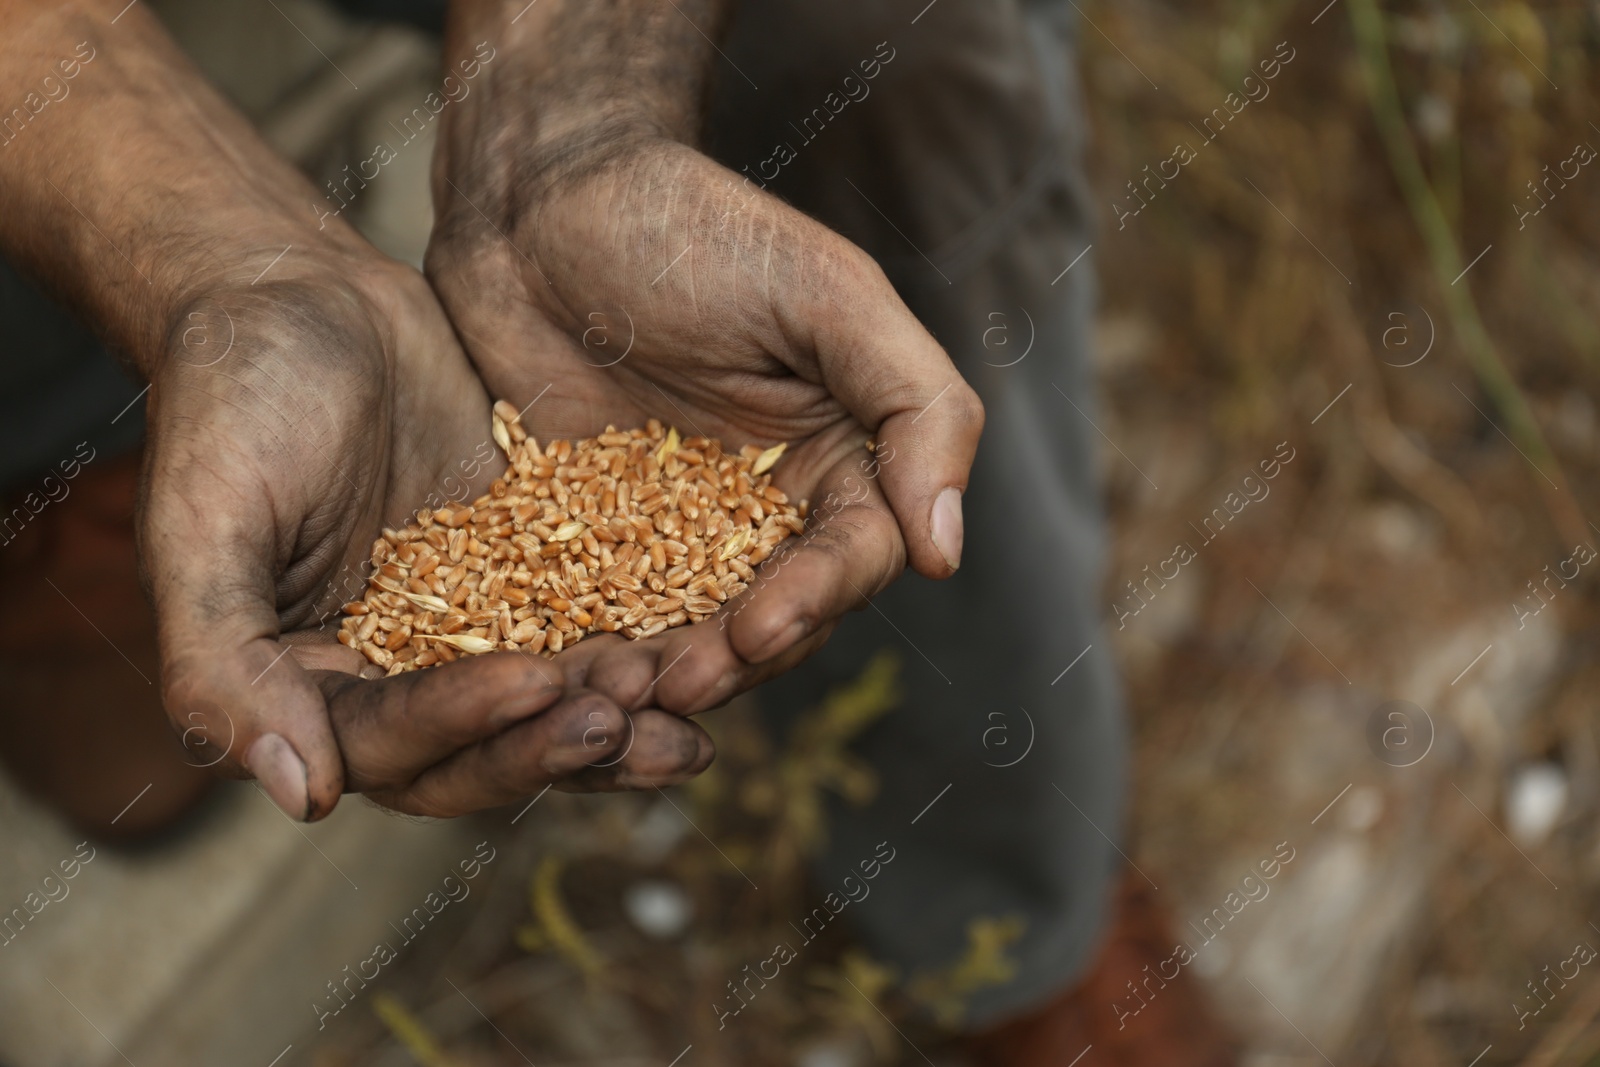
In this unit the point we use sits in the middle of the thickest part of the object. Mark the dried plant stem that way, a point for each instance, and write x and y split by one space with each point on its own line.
1574 1038
1445 256
410 1032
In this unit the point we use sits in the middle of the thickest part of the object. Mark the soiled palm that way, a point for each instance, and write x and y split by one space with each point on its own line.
288 423
637 278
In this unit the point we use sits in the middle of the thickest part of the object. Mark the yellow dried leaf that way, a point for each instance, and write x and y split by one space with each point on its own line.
556 923
985 964
410 1032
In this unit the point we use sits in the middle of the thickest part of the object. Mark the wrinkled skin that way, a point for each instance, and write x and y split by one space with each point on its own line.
289 422
633 278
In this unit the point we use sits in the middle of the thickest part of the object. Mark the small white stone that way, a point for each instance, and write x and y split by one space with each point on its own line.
660 909
1362 808
1435 117
829 1053
658 832
1211 958
1535 799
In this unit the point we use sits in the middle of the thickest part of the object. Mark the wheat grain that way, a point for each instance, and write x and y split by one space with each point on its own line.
629 532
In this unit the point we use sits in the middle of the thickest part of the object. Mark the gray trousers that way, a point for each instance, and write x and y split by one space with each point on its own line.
957 165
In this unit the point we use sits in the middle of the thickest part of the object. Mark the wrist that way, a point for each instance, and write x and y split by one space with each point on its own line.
261 270
571 79
222 250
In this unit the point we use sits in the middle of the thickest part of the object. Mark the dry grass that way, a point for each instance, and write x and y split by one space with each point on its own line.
568 977
1252 291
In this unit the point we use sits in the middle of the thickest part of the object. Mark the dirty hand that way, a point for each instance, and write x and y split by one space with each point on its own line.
288 421
304 392
601 269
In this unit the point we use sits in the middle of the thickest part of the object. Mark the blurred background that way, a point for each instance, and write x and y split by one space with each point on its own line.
1374 271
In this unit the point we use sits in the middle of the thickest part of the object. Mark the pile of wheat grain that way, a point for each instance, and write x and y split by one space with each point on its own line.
628 532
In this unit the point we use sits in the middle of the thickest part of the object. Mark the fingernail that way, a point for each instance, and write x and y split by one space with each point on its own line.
282 774
947 527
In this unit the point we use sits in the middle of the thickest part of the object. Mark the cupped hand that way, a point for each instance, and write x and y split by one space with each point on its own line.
623 275
290 419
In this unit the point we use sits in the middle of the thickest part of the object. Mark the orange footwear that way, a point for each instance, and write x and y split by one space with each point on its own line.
1172 1027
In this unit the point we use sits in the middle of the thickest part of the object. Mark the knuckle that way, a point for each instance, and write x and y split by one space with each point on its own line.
185 691
855 272
967 408
209 736
589 730
603 728
839 272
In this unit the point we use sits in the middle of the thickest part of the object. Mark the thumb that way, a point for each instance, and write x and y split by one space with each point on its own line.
884 366
226 680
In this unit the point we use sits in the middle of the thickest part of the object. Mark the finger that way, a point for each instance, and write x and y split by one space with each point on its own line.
885 367
325 656
583 733
661 750
223 669
392 730
850 550
689 669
